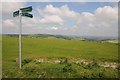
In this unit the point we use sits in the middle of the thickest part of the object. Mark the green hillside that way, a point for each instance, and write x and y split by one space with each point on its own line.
35 48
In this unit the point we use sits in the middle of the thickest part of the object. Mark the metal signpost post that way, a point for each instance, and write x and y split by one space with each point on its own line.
20 13
20 42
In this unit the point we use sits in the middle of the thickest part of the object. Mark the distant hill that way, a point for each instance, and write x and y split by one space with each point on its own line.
68 37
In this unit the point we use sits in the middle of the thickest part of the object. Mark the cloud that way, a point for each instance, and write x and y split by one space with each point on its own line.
61 20
87 16
52 10
8 23
27 22
106 12
9 7
56 15
52 19
102 22
62 11
54 28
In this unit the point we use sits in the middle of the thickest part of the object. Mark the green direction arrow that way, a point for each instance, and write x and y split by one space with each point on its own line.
27 15
27 9
16 13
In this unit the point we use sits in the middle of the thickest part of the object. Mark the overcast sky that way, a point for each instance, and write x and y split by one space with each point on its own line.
65 18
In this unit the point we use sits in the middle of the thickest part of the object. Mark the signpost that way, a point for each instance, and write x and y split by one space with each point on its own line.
27 15
20 13
27 9
16 13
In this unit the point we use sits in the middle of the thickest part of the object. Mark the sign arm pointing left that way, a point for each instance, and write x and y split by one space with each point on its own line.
16 13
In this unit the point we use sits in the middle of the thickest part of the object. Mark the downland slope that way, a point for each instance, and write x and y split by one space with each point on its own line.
59 58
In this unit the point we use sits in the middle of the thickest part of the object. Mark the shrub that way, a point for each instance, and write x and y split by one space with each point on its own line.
93 64
26 61
64 61
67 68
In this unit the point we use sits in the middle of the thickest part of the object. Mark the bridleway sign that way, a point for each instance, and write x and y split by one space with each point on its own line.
22 12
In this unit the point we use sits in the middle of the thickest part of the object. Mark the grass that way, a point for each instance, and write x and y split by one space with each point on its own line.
54 48
0 57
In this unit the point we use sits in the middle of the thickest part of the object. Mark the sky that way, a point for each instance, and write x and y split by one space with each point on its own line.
64 18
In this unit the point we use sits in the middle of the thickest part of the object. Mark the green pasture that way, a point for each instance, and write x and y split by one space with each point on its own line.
53 47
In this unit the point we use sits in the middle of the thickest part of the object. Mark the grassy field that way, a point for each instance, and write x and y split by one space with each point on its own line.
0 56
35 48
